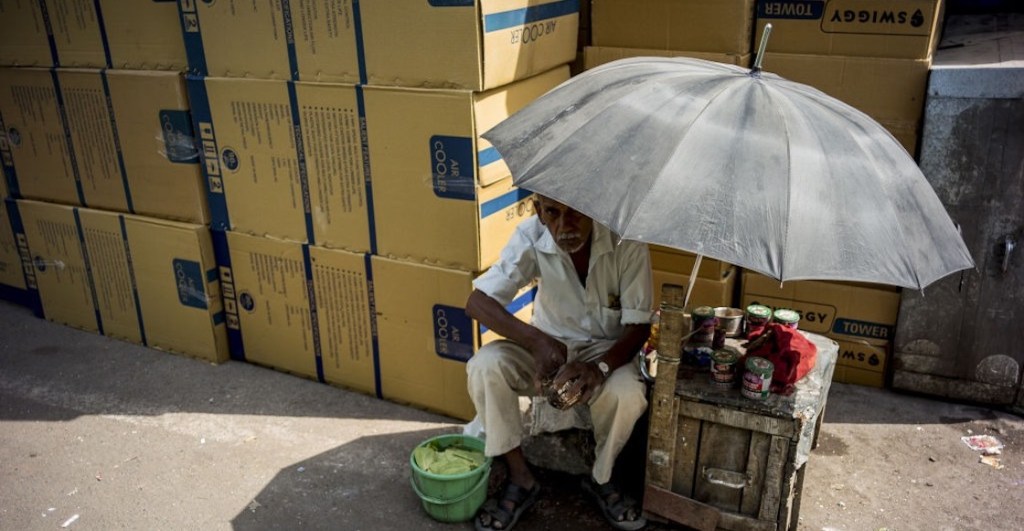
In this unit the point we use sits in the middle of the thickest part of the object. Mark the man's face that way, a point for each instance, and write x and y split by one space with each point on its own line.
570 229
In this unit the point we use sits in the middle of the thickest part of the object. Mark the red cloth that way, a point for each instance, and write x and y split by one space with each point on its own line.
792 354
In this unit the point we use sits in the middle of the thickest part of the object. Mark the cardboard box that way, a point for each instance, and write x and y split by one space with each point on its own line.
675 261
61 269
891 91
719 26
37 155
144 35
469 44
906 29
12 279
841 310
706 292
158 146
156 283
77 27
299 309
314 40
448 199
18 277
267 302
25 35
284 159
138 279
855 376
425 336
599 55
132 134
862 362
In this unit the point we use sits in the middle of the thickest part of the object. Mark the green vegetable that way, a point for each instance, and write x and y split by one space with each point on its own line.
452 460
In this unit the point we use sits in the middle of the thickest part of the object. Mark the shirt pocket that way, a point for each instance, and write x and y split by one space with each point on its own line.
610 321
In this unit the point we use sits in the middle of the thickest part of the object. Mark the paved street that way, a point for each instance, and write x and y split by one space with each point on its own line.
99 434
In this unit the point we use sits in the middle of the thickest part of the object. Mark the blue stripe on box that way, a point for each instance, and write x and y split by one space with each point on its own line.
503 201
206 141
314 315
131 277
103 33
117 143
88 270
67 137
55 59
7 156
367 176
488 156
517 304
368 263
230 297
300 154
289 38
357 17
24 254
194 52
527 15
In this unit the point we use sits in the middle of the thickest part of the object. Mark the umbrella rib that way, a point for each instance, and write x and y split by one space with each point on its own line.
647 194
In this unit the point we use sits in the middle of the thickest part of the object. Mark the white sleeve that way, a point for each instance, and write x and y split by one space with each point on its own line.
515 268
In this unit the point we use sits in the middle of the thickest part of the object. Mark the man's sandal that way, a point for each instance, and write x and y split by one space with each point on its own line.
493 515
617 512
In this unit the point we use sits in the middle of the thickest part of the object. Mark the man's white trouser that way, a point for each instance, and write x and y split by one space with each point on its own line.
502 371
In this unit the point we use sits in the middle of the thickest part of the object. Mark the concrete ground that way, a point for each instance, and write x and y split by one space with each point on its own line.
101 434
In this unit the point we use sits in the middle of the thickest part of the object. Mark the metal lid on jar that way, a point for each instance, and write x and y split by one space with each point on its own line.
786 316
724 357
703 311
760 365
759 310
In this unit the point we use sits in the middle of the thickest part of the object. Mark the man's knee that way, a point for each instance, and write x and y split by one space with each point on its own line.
629 394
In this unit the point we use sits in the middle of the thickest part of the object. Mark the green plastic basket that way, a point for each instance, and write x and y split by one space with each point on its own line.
455 497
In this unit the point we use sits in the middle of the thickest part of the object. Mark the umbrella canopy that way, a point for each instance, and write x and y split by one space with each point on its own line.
737 165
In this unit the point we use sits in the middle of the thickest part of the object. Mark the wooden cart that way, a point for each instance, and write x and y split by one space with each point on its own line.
717 459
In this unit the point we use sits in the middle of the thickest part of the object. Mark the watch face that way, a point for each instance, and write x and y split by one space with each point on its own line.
603 366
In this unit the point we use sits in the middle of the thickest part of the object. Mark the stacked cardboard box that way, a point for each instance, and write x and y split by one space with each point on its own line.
873 55
77 134
353 199
860 317
714 30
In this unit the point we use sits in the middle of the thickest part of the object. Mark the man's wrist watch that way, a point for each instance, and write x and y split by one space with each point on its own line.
604 368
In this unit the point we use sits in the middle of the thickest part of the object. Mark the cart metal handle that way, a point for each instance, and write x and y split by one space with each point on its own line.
1008 245
726 478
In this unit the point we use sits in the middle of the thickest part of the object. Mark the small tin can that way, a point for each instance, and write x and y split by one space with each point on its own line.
787 318
723 367
757 379
702 324
756 317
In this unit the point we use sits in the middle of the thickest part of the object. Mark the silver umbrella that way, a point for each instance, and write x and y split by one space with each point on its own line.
734 164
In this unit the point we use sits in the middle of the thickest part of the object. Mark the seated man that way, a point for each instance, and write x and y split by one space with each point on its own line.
591 316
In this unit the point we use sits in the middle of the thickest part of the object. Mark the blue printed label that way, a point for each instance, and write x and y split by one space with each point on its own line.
179 137
452 163
453 333
804 9
850 327
188 276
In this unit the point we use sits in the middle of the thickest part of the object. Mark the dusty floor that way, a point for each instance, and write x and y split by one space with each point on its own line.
100 434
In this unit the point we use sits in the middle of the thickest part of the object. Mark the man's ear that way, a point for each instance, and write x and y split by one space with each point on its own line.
536 209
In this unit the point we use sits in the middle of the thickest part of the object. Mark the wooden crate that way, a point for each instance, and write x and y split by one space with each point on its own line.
717 459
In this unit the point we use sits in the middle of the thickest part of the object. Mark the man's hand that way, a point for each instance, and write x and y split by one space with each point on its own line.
587 379
549 355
